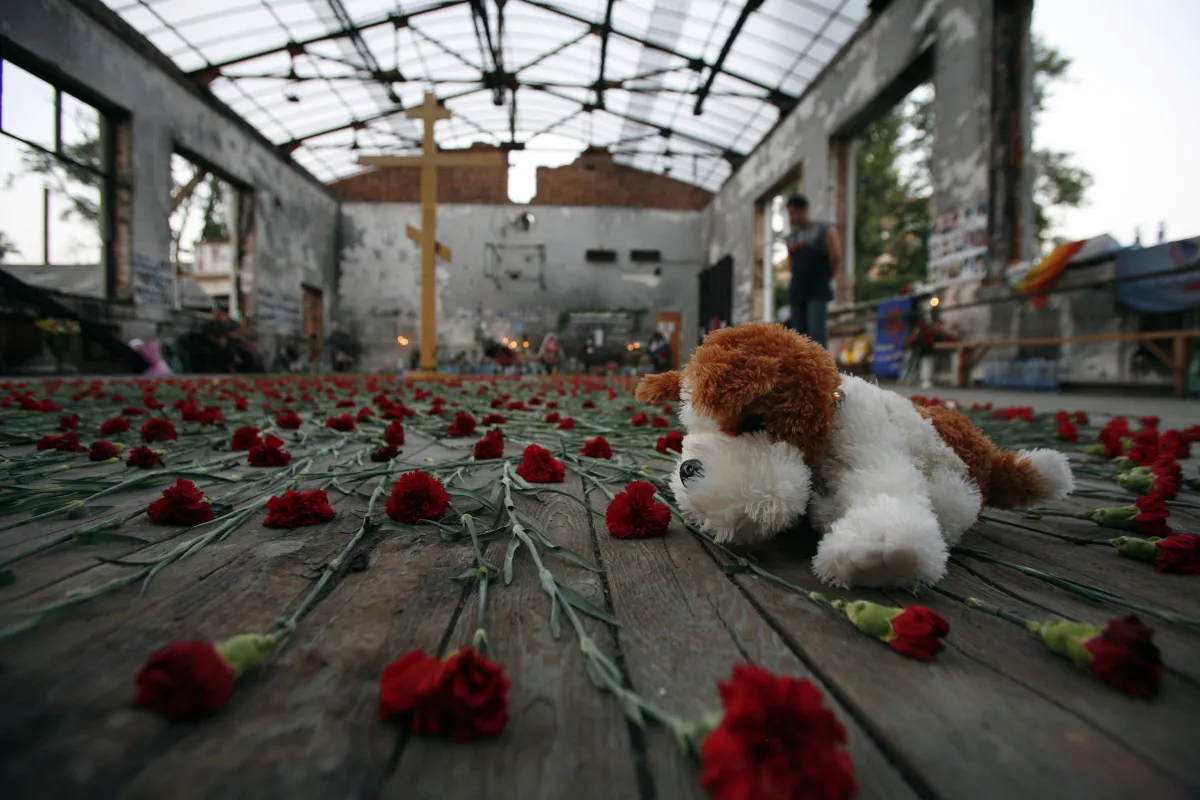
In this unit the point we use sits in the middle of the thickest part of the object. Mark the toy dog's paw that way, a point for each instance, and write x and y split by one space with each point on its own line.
884 541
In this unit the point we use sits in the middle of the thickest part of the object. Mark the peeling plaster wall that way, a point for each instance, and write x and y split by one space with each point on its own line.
295 230
874 60
380 286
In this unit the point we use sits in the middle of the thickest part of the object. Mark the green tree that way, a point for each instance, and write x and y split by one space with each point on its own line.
215 228
68 176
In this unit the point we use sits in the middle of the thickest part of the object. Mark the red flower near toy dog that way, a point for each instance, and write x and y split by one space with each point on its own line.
635 514
597 448
538 465
672 442
465 696
490 446
181 504
776 739
1122 653
463 425
269 453
296 509
143 458
102 451
417 496
158 429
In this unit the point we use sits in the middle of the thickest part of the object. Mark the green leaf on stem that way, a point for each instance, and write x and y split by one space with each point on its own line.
460 492
555 622
513 545
569 555
100 538
581 603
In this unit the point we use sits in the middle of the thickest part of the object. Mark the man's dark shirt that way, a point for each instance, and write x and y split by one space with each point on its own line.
811 270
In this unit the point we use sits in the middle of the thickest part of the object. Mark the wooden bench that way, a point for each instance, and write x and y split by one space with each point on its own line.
968 353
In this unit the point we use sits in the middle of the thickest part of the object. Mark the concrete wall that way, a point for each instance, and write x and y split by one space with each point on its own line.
844 97
295 227
379 290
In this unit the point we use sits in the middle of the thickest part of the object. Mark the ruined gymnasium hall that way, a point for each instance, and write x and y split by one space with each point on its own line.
615 399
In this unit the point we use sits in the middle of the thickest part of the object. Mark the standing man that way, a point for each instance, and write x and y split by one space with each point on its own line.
815 252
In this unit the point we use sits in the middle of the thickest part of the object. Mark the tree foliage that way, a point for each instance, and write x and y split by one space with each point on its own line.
7 246
894 184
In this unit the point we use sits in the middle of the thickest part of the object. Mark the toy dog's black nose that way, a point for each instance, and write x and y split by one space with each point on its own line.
690 469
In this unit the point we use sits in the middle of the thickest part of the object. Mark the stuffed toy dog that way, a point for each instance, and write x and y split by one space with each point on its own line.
775 432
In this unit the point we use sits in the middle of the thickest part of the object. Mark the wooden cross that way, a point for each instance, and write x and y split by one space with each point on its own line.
431 111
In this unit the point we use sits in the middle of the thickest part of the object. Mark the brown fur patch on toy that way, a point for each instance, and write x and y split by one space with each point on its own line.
659 388
1003 480
769 371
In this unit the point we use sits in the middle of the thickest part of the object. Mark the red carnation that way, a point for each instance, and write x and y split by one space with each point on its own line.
68 422
1178 553
343 423
394 434
517 405
185 681
244 439
1067 432
143 458
463 425
496 402
639 420
1081 418
211 416
364 414
673 442
114 425
538 465
1061 417
490 446
181 504
535 401
1174 443
776 739
588 404
297 509
635 514
269 453
288 420
660 422
466 696
1152 516
417 496
918 632
597 448
66 442
493 419
553 417
385 453
1149 423
132 411
158 429
1125 657
102 451
345 404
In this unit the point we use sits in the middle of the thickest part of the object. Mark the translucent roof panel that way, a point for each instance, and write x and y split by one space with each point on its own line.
329 79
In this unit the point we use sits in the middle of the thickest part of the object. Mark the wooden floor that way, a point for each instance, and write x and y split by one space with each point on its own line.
994 716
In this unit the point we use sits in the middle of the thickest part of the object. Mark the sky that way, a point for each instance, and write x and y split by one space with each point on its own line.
1126 111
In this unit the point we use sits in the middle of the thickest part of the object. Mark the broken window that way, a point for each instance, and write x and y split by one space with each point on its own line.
55 181
206 250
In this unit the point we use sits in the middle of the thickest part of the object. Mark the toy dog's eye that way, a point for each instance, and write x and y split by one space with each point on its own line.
753 423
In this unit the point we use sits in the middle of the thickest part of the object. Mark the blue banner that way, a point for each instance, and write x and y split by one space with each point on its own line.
891 331
1165 293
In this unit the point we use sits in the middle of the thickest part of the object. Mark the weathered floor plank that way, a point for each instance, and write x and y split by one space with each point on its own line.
564 737
957 722
685 624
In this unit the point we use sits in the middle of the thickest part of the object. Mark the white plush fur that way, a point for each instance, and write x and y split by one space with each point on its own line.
890 497
1055 469
750 490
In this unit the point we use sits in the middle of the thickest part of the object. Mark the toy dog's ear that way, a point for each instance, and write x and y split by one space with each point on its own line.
659 388
733 386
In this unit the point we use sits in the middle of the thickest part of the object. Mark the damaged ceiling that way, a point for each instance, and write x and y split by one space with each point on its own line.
679 87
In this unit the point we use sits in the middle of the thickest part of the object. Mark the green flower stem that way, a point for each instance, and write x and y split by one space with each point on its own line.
1093 593
980 605
1061 536
285 629
80 534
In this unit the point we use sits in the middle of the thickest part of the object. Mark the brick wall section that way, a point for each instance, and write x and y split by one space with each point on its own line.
592 180
595 180
403 184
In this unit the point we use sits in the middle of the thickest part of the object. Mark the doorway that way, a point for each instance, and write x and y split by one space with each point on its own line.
669 324
716 296
314 326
